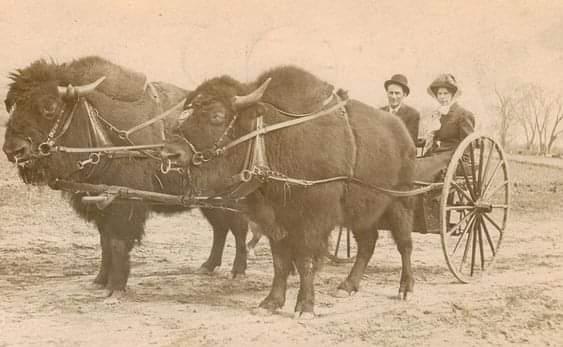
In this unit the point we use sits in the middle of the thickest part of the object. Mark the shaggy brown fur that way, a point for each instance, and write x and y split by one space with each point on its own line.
317 149
123 101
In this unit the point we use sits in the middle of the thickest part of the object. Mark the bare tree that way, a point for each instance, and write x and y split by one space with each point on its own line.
540 114
557 124
505 104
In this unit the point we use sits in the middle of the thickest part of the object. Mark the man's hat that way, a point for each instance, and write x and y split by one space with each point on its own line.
400 80
444 81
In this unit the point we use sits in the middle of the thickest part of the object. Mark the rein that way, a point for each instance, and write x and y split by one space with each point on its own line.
253 175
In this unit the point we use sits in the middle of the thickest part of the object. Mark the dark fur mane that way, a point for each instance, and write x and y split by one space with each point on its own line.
293 89
120 84
221 88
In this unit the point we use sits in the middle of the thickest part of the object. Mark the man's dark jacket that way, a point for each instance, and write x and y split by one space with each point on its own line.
410 117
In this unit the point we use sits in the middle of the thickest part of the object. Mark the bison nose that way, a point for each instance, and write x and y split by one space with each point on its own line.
20 152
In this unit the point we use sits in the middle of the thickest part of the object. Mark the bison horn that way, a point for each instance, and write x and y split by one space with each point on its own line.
252 98
80 90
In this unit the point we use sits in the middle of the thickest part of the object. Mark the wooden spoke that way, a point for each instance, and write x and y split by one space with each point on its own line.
489 156
460 208
490 180
474 248
473 172
466 217
462 191
466 249
480 176
336 248
494 190
481 248
493 223
486 231
467 226
467 182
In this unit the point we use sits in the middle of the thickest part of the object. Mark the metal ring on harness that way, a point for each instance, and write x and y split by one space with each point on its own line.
198 158
123 134
166 169
44 149
93 158
246 175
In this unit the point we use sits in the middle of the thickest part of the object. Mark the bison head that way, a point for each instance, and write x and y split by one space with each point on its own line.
36 101
216 113
208 118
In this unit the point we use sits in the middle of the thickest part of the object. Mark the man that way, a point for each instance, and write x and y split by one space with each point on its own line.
397 89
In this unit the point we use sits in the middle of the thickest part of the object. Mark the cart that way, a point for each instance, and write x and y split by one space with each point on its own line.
469 209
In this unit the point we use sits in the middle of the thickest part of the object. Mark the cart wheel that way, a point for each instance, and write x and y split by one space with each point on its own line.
335 253
474 207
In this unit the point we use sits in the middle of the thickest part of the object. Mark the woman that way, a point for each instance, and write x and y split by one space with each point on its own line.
455 124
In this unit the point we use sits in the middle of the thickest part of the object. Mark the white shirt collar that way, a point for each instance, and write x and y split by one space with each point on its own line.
396 109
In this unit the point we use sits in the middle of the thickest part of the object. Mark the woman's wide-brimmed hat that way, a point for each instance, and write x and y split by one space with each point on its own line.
447 81
400 80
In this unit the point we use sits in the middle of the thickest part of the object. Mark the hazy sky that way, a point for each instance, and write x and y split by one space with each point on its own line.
355 45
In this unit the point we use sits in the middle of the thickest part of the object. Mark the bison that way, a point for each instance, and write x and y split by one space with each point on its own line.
44 105
326 171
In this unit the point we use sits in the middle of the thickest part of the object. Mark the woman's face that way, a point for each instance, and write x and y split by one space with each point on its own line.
443 96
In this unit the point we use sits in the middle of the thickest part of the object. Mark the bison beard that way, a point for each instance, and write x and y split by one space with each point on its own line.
125 102
362 142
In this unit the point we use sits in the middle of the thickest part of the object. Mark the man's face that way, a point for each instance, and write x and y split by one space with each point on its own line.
395 95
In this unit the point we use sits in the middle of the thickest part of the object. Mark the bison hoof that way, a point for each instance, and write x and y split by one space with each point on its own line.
304 316
346 289
239 275
262 312
403 295
203 270
96 286
341 293
271 304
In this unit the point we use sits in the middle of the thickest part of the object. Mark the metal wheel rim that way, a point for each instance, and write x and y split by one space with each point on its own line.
477 238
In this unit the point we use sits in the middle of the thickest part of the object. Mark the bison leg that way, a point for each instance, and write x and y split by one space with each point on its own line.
281 256
366 240
220 229
102 277
400 218
256 236
239 228
121 226
120 265
307 267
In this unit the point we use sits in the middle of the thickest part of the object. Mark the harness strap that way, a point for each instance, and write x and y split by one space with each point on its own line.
100 136
281 125
105 149
299 115
391 192
155 119
156 96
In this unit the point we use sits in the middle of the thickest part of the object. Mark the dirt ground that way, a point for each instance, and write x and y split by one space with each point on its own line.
48 258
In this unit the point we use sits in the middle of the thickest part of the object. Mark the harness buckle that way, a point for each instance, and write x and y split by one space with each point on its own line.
45 148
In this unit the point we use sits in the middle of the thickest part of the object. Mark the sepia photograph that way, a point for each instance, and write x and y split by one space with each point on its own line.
281 173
